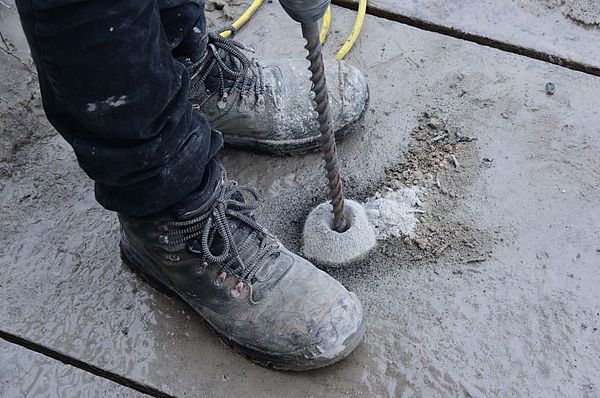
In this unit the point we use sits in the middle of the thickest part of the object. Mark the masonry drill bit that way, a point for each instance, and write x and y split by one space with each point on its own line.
308 13
323 240
311 32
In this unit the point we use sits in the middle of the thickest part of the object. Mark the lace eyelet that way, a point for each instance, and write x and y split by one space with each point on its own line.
237 290
202 268
239 286
172 257
163 239
221 278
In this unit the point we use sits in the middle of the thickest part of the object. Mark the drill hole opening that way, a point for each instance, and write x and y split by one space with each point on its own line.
349 220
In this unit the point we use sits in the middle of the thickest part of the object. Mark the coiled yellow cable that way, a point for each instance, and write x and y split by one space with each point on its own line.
325 26
358 23
244 17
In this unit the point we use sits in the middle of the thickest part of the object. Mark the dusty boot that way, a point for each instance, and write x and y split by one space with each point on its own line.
268 107
266 302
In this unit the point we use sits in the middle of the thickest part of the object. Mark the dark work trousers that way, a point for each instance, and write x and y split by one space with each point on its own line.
113 88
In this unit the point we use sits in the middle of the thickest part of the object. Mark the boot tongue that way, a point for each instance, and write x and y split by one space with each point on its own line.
240 232
239 236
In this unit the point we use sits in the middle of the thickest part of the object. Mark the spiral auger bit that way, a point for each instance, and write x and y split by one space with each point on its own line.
350 235
308 13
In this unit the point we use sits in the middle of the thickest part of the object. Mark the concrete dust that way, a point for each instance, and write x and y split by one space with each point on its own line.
412 208
586 12
583 11
22 119
394 213
440 163
328 247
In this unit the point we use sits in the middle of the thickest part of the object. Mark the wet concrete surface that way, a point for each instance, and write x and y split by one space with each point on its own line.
25 373
506 305
562 28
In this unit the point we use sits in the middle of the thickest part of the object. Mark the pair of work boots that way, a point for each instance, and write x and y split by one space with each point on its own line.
267 302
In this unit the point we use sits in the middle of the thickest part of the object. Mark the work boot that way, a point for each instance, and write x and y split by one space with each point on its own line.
268 107
268 303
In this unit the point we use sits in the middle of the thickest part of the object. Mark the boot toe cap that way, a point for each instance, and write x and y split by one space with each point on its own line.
340 331
323 326
349 95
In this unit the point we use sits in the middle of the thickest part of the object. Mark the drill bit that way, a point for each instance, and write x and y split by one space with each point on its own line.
311 32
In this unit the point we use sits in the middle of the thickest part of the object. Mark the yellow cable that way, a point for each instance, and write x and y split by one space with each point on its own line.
244 17
325 25
358 23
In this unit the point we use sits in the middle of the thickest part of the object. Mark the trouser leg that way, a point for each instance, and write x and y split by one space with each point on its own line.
184 23
113 90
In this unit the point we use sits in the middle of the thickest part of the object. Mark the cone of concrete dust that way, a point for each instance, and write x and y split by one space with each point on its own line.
323 245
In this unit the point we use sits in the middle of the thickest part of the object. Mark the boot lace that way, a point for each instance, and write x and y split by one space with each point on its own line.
248 78
230 204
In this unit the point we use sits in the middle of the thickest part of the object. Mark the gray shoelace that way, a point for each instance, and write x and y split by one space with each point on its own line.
248 78
216 221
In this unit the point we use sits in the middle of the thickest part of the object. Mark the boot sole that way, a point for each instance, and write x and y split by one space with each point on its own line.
134 262
292 147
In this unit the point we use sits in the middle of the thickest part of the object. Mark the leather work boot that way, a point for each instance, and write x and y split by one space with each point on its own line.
268 107
268 303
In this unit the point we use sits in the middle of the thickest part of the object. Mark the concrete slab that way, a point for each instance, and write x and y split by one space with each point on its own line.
25 373
563 31
496 294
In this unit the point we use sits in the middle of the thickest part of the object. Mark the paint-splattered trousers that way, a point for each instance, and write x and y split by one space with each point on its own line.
112 86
